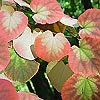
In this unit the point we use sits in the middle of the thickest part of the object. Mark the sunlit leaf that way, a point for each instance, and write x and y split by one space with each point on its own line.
58 73
22 3
55 27
90 22
86 57
23 43
12 24
79 87
4 53
46 11
66 20
51 48
19 69
28 96
7 90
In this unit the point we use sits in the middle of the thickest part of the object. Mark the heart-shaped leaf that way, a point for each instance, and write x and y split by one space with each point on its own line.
23 43
51 48
19 69
28 96
90 22
7 90
79 87
46 11
12 24
58 73
86 57
4 53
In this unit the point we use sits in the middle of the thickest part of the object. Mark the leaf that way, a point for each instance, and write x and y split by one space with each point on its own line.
12 24
55 27
22 3
90 22
46 11
58 73
79 87
7 90
51 48
4 53
23 43
2 76
28 96
66 20
86 58
19 69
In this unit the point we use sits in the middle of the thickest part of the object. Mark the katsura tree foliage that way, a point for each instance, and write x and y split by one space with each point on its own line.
45 38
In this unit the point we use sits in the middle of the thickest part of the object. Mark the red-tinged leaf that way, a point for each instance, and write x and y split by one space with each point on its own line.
90 22
58 73
12 24
66 20
79 87
86 58
46 11
23 43
7 90
20 69
51 48
28 96
4 53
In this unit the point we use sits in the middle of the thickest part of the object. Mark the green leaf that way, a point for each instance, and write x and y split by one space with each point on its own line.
58 73
20 69
86 87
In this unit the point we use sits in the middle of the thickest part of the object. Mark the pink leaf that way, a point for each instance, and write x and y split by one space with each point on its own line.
79 87
7 90
46 11
90 22
4 53
12 24
28 96
51 48
86 57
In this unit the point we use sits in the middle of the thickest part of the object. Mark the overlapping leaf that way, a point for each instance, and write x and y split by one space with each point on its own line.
12 24
55 27
86 57
79 87
4 53
66 20
7 90
90 22
20 69
23 43
51 48
22 3
46 11
28 96
58 73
